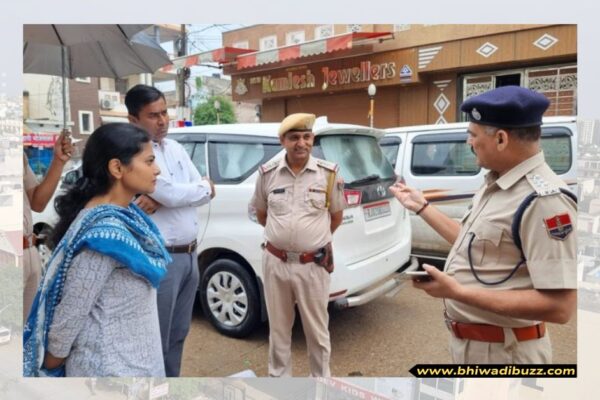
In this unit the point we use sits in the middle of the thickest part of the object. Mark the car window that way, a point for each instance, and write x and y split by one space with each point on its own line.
358 156
234 162
199 158
390 151
197 153
443 155
71 177
557 151
189 147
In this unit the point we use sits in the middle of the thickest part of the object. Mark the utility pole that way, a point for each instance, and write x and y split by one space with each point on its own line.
184 72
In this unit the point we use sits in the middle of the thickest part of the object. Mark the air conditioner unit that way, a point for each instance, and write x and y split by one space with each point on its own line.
109 100
107 103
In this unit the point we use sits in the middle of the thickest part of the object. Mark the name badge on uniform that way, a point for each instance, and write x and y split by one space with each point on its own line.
280 190
559 226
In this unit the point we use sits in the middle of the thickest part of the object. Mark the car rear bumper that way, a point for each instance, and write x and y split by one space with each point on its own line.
372 293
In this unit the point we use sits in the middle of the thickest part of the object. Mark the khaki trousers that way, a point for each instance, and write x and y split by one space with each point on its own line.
32 270
306 285
536 351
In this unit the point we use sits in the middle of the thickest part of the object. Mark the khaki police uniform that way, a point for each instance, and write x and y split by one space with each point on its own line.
298 221
32 268
551 260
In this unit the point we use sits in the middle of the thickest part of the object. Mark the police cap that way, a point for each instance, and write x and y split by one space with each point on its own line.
507 107
296 122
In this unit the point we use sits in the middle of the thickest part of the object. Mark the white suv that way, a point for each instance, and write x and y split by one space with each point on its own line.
437 160
372 244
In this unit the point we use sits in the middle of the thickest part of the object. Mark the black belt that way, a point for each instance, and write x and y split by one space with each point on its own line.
183 248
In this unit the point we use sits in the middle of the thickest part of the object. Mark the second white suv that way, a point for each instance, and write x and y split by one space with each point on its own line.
437 160
372 244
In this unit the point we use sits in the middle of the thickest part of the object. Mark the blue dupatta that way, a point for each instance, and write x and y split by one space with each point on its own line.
124 234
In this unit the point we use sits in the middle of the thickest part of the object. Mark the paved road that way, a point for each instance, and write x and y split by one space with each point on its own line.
383 338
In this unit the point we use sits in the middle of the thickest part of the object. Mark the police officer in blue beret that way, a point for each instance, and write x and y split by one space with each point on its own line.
512 266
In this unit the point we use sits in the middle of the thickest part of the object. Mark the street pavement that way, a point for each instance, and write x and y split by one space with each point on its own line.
383 338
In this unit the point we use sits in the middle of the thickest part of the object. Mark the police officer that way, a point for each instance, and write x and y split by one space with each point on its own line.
36 196
498 294
299 201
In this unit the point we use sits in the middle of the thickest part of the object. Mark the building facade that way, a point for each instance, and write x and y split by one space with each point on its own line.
422 73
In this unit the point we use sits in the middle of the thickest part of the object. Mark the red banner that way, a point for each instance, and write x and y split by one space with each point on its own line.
39 139
351 389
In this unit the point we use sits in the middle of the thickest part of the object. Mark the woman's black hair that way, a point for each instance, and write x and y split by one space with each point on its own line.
118 140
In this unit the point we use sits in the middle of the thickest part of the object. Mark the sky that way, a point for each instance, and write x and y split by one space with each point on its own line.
201 38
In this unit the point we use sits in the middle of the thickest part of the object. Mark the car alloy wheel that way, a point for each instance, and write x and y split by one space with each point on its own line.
230 297
227 298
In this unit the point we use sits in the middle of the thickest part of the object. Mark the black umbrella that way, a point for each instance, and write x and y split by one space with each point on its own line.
71 51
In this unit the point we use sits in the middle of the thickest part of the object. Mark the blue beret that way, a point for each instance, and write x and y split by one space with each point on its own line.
507 107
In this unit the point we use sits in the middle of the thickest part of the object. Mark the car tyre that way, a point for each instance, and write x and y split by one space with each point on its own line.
229 298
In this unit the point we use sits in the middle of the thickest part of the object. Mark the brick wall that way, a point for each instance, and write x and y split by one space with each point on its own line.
84 96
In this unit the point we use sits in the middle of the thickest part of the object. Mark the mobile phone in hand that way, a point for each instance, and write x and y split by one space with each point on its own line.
419 276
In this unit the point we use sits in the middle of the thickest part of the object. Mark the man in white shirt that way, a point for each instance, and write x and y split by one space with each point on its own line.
172 206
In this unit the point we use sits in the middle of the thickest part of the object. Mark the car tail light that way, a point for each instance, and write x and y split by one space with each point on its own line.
353 197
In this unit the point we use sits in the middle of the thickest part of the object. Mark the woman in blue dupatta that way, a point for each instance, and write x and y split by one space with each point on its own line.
95 311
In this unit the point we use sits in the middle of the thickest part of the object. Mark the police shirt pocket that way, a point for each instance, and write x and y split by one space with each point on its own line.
315 199
278 202
485 248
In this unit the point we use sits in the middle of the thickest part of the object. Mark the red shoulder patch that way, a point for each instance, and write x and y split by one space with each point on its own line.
559 226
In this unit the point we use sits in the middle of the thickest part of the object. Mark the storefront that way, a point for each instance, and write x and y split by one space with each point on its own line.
39 147
419 80
365 389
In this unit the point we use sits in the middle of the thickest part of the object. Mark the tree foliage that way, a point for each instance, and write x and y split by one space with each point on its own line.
206 113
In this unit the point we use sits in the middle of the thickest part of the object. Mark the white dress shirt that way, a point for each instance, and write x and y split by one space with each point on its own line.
180 189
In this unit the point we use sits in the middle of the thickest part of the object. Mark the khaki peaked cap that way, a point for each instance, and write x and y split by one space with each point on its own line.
299 121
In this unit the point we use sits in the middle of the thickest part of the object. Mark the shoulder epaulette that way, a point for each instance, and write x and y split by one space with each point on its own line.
327 165
541 186
268 166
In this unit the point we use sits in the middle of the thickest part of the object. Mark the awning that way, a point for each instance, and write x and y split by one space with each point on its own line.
222 56
345 41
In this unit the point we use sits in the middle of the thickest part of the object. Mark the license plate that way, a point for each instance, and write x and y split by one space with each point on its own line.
377 210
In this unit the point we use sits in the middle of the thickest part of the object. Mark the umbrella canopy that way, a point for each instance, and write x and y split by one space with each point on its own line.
71 51
111 51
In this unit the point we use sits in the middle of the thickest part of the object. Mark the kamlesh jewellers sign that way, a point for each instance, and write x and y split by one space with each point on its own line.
364 72
290 82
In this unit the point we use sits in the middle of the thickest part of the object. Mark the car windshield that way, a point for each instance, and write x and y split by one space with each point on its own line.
360 158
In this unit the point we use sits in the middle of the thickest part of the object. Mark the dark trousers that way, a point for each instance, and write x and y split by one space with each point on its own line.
176 294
